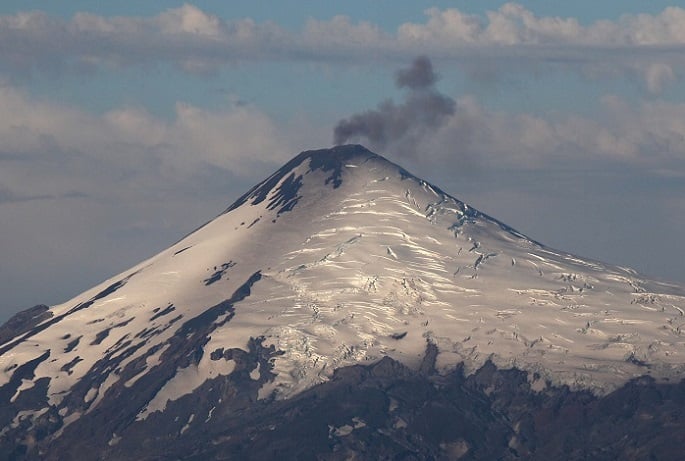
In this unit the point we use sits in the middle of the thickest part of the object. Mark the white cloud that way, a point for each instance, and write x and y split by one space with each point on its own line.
236 140
189 19
65 149
649 136
657 75
650 46
443 27
49 149
513 24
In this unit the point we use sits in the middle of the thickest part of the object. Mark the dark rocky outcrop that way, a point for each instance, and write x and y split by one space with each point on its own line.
379 411
23 322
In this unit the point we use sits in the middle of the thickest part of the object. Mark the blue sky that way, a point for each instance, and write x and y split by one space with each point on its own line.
125 125
387 13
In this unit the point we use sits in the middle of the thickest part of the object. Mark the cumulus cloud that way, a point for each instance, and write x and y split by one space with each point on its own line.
650 46
191 20
402 126
649 137
439 130
134 176
238 137
65 149
513 24
186 36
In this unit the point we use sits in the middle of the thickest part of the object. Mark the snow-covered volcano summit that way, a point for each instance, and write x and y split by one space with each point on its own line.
338 258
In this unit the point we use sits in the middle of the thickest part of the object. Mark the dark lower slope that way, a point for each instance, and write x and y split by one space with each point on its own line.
385 411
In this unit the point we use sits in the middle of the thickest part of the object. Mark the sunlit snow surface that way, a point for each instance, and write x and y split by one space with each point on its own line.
360 260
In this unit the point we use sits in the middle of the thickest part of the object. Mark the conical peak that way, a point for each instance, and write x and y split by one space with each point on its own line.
336 158
372 263
338 154
332 162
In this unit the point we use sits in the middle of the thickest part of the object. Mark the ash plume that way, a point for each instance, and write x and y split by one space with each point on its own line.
420 75
424 110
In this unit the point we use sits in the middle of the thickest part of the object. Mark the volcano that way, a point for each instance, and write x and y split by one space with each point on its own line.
345 309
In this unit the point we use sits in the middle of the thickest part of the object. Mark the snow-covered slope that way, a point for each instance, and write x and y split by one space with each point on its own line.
342 257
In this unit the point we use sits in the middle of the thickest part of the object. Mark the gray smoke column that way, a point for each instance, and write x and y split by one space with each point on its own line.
419 76
423 111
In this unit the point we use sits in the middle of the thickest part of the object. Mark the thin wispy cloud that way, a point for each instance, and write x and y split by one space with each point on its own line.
8 196
650 46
